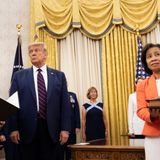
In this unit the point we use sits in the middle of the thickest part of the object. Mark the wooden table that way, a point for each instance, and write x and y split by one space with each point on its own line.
99 151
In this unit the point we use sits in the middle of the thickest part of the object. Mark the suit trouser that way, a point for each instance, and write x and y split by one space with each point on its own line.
11 150
42 146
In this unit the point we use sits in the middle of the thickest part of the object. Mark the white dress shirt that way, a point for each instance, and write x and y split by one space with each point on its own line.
44 73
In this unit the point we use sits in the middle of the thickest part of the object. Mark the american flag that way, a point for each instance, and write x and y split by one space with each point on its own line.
18 61
140 72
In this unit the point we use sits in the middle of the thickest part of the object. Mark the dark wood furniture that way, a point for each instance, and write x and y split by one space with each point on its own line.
97 150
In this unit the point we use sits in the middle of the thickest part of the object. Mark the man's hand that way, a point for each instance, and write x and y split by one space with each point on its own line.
15 137
2 123
2 138
63 137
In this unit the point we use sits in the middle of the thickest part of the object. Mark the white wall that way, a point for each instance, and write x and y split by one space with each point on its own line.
11 13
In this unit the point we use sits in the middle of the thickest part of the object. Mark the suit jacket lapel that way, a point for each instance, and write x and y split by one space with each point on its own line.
51 81
31 83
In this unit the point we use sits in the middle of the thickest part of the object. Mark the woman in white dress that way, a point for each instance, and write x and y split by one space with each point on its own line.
135 124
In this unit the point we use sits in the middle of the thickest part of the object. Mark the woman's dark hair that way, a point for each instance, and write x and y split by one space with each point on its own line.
143 57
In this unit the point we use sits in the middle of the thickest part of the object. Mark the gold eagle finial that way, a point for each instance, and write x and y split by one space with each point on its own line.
19 26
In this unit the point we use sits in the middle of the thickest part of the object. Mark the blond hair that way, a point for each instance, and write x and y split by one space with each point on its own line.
38 44
89 90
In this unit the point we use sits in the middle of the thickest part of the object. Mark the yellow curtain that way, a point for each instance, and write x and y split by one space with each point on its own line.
118 72
142 13
95 18
51 43
53 16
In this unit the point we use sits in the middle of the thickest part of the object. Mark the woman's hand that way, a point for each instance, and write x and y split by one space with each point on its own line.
83 137
77 130
132 135
107 137
154 112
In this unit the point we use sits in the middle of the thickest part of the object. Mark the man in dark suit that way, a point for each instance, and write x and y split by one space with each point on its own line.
43 120
75 126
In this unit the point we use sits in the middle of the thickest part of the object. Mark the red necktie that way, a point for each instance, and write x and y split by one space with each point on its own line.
42 95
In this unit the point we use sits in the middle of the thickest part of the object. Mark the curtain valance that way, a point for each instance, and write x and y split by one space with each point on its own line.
95 18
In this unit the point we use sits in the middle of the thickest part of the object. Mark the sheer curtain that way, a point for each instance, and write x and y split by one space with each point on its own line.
153 36
80 61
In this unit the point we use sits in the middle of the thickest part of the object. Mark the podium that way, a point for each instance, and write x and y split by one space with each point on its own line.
9 106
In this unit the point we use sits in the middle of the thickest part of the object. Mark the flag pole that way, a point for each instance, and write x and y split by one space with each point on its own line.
18 61
19 27
138 38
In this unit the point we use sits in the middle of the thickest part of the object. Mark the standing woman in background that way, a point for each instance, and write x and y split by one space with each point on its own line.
135 124
147 90
94 122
